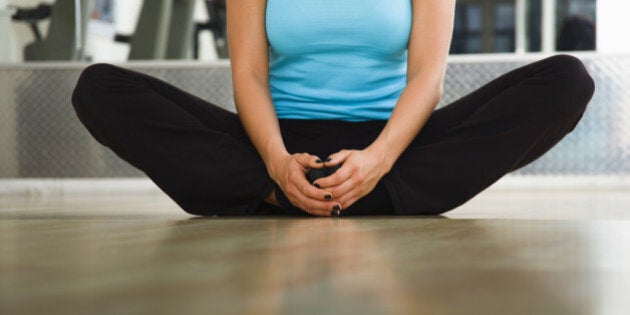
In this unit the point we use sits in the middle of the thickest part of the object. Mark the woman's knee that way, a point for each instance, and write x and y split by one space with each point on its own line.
571 88
96 75
574 77
98 87
576 72
87 86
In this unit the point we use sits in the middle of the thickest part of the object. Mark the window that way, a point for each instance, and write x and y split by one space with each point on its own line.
493 26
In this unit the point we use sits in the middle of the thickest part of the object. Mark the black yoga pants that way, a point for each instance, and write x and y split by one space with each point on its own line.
200 155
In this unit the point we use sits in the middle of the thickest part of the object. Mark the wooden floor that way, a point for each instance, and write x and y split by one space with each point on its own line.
561 252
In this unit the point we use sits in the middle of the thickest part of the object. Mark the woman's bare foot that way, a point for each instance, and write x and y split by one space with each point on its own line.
271 199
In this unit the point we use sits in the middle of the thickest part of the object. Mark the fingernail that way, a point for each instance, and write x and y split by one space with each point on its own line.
316 185
328 160
328 197
319 161
336 210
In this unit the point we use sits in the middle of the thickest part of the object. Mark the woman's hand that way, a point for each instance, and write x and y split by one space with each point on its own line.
359 174
289 172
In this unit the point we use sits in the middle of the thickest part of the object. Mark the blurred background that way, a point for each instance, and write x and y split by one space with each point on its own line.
116 30
45 44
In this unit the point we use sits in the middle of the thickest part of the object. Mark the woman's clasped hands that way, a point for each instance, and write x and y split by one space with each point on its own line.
358 174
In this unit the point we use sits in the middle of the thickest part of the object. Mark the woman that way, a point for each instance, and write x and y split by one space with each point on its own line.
345 87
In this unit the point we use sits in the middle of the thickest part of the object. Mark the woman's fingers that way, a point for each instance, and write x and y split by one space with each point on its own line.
310 200
304 195
350 197
343 189
346 204
349 192
349 183
311 205
357 177
309 161
316 207
337 158
311 191
338 178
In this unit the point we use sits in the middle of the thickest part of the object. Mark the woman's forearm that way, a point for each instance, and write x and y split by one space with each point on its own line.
429 43
249 57
258 116
413 109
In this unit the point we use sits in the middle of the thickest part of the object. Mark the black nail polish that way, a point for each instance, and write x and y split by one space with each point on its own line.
316 185
319 161
328 197
328 160
335 213
336 208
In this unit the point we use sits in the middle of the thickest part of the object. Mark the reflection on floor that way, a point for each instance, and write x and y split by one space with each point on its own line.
559 252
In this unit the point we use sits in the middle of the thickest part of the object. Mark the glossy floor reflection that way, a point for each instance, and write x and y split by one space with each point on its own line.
129 255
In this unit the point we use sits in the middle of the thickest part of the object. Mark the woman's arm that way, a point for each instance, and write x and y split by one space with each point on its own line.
249 55
429 43
428 49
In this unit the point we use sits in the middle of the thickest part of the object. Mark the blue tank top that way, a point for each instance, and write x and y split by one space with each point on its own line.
337 59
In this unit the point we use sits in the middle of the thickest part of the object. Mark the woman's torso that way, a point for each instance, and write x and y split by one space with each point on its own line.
337 59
